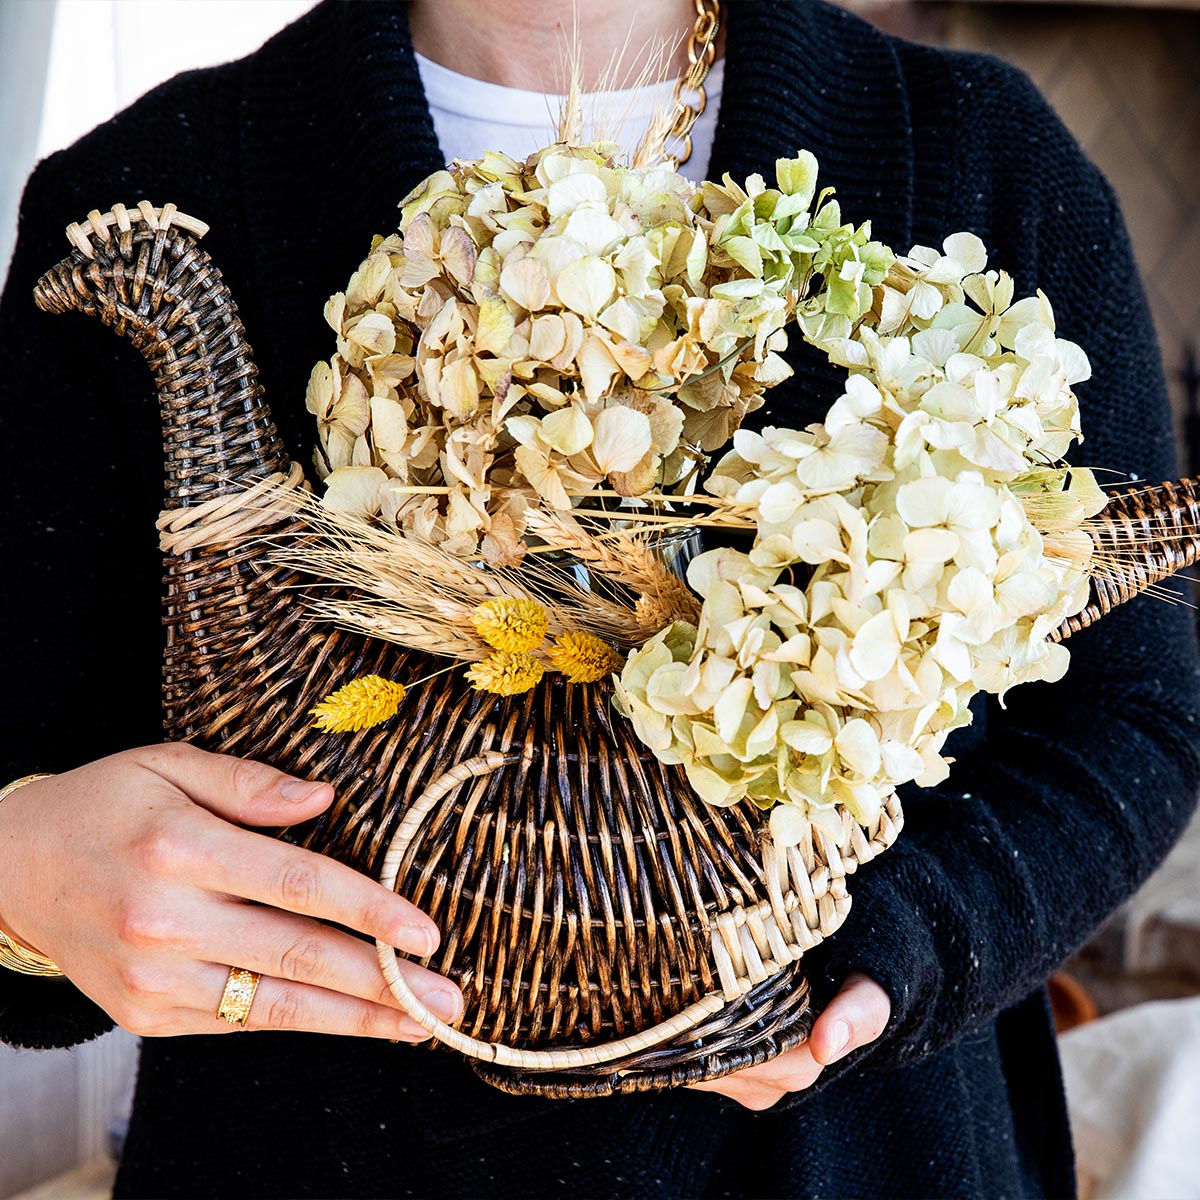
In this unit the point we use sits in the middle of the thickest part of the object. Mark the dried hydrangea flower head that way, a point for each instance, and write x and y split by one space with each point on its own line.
540 330
917 547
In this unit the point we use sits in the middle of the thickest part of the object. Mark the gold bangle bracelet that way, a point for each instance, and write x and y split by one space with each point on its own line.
15 957
8 789
12 954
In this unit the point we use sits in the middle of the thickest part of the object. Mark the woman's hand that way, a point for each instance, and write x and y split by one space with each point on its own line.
856 1016
133 875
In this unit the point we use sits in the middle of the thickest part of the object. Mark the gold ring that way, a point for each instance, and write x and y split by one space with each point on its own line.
238 996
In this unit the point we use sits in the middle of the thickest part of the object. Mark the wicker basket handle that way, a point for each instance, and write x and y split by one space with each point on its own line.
496 1052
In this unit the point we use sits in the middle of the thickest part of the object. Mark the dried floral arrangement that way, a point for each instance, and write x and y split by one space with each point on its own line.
531 380
536 332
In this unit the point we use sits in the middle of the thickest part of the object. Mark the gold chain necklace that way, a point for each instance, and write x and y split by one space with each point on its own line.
701 51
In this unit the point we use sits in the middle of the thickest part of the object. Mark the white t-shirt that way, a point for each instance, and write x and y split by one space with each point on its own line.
471 116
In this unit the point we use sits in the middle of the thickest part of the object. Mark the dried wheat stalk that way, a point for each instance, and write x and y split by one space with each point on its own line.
664 597
408 591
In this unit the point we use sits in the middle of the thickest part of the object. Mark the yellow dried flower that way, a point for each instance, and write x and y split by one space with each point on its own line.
512 626
363 702
506 674
583 657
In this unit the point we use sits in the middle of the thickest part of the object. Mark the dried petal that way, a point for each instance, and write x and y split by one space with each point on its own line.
569 431
525 282
586 286
354 490
622 439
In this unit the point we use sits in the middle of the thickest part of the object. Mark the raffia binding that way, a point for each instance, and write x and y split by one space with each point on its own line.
100 224
233 515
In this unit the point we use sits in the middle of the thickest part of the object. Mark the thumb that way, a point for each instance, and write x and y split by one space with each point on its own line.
856 1016
238 789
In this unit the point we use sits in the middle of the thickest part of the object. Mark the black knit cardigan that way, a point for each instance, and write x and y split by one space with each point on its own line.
1057 808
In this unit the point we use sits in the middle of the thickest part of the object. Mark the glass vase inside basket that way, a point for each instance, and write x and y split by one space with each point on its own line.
674 546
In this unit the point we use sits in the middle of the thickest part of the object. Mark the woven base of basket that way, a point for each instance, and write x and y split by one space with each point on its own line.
610 931
773 1018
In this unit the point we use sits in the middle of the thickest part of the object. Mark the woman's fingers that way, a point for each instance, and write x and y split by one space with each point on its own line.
792 1071
238 789
748 1094
302 950
282 1004
761 1086
220 857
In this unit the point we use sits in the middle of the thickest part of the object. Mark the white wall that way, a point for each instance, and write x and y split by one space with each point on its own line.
25 27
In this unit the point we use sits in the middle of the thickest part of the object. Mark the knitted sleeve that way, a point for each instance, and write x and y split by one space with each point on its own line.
74 631
80 585
1078 789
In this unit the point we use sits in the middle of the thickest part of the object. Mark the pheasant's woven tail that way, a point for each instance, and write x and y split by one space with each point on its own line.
1142 536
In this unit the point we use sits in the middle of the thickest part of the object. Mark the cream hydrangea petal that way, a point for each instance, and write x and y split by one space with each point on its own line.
459 388
496 326
586 286
924 501
789 824
968 251
858 745
779 502
318 397
901 762
711 786
525 282
594 229
353 408
547 338
931 545
1074 361
555 254
569 431
666 691
543 476
621 438
374 332
808 737
356 490
339 446
864 802
597 367
730 709
389 425
969 590
876 647
568 193
458 254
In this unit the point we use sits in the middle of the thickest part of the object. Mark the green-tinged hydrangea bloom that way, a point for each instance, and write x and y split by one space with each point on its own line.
917 547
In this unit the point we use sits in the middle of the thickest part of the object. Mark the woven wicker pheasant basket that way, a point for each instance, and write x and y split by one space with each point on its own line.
611 932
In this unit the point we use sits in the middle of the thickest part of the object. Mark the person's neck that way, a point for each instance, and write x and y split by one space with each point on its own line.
524 43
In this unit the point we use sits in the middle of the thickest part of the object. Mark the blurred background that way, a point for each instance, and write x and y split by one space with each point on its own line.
1125 77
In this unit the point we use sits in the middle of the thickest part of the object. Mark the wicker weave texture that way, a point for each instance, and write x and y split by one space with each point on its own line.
1144 536
585 894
